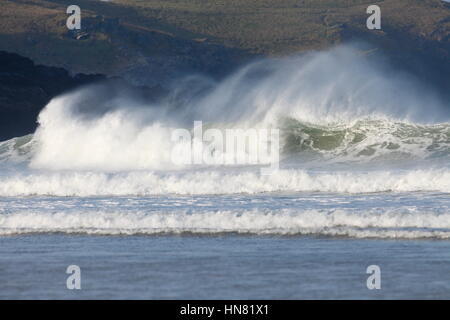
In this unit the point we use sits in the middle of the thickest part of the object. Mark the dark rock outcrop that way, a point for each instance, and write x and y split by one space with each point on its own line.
25 88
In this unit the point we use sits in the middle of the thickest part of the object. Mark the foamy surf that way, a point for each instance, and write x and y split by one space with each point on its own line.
373 223
347 133
216 182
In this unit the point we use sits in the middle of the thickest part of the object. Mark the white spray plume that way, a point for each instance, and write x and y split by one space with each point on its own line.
97 128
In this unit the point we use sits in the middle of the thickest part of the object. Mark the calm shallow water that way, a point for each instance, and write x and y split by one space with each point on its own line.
221 267
265 246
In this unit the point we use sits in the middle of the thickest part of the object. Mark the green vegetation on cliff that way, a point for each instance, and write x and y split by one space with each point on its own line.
123 34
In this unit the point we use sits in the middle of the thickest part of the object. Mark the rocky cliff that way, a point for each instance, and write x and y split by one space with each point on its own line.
25 88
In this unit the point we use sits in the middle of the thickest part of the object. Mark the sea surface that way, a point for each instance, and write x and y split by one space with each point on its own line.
268 246
363 180
221 266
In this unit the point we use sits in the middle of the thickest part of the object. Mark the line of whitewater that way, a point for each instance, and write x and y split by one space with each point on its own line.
389 223
213 182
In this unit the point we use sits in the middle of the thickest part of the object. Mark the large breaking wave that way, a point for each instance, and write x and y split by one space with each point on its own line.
348 124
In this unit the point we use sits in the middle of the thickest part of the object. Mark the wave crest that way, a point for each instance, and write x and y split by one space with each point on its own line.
338 102
375 223
209 182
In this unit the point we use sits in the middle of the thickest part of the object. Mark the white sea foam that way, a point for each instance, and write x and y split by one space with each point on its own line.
377 223
353 119
221 182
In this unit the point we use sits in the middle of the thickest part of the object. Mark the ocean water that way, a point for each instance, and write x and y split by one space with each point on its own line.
221 267
363 179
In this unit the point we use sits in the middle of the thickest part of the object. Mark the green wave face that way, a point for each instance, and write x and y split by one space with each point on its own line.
366 139
360 141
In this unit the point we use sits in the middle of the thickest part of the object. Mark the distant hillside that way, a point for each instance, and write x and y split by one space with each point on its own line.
160 38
